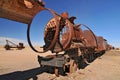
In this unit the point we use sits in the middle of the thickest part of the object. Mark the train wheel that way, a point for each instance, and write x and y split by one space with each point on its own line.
73 66
56 71
7 47
86 58
91 57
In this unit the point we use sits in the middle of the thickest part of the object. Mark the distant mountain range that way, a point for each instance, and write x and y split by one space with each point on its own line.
14 40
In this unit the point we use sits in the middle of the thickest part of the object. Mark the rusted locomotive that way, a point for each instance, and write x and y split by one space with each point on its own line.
72 43
75 42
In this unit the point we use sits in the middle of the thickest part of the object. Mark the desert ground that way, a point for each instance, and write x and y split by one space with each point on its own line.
23 65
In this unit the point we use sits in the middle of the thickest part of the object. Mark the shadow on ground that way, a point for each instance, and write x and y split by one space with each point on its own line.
32 73
23 75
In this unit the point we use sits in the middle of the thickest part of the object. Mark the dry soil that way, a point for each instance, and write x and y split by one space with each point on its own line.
23 65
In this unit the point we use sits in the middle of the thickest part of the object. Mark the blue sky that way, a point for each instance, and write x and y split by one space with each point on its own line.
102 16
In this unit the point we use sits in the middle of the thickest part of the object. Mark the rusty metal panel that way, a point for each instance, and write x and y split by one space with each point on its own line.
19 10
109 47
102 45
91 42
77 34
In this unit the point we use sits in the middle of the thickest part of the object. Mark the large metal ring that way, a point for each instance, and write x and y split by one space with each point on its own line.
55 15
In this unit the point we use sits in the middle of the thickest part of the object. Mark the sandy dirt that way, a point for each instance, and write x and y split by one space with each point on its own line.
23 65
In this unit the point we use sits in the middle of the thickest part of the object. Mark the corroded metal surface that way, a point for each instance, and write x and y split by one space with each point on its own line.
102 45
19 10
90 38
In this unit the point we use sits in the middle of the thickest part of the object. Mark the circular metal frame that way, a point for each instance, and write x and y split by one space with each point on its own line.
55 15
66 43
92 34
